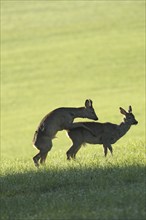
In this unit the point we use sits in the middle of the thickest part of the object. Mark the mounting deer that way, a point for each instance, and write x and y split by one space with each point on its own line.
105 133
57 120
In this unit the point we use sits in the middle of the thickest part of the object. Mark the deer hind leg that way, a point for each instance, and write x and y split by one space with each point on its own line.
44 152
43 157
36 159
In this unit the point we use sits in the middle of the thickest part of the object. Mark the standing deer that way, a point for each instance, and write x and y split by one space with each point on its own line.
105 133
57 120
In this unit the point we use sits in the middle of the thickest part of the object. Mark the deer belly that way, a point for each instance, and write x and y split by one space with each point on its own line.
94 140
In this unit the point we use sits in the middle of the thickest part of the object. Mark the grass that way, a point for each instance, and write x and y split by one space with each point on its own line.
58 53
88 188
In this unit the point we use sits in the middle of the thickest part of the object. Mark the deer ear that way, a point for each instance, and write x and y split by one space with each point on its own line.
130 109
122 111
88 103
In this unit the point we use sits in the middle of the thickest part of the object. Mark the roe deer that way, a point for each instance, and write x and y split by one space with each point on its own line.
105 133
57 120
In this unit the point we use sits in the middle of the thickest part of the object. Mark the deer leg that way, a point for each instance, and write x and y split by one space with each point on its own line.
44 152
111 149
69 152
105 149
36 159
75 150
43 157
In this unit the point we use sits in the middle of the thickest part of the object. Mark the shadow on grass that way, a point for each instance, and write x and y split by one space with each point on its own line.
75 193
46 179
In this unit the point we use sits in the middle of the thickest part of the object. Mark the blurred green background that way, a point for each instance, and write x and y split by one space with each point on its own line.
59 53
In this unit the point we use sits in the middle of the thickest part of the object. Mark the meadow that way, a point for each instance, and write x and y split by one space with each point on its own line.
59 53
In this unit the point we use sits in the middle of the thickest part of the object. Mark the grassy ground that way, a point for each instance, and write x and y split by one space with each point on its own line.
58 53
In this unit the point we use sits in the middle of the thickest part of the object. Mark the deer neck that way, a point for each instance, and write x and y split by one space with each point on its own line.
78 112
123 128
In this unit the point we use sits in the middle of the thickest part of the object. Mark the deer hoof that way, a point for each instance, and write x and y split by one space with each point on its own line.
36 163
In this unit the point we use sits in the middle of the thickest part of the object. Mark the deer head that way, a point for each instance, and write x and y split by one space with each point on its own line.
89 110
129 117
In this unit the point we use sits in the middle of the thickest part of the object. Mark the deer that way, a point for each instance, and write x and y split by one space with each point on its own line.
58 120
106 134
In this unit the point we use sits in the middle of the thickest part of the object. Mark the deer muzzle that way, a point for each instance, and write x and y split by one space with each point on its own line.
135 122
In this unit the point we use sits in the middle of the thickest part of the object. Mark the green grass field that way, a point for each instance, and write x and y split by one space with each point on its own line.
59 53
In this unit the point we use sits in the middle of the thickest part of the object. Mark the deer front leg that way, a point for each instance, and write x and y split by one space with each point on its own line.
105 149
74 151
71 153
111 149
